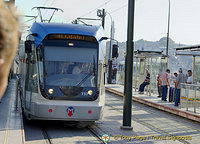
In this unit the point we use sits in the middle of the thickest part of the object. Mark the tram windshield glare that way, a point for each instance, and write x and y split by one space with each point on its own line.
70 66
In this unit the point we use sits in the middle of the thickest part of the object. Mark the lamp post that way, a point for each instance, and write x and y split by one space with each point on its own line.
167 48
109 80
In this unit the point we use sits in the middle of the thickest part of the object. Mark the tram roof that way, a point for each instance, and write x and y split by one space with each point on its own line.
43 29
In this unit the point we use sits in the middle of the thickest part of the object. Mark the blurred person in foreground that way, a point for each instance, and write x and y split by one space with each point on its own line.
8 43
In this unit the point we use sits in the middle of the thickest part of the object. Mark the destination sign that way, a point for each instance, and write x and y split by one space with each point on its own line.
70 37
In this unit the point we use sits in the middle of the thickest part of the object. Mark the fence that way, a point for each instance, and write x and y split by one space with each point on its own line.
190 97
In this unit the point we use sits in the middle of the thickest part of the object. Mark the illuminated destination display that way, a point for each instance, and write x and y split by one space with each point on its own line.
70 37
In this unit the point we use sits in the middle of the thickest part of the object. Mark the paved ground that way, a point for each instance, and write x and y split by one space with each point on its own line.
11 130
156 102
149 126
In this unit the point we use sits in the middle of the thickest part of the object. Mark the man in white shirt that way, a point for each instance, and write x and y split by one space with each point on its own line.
189 79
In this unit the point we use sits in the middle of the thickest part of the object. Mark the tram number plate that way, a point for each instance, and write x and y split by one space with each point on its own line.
84 93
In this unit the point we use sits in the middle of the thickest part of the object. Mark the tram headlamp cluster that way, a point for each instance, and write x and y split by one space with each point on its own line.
90 92
71 44
50 91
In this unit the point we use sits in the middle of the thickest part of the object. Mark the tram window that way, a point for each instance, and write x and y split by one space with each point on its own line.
60 63
40 64
31 76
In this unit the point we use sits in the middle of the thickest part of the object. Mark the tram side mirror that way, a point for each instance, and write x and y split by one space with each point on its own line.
115 51
28 46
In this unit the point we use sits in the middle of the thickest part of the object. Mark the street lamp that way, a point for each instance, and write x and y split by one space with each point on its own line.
110 59
102 14
167 48
110 34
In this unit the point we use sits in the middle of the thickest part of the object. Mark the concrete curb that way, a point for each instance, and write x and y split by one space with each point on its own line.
159 106
19 108
22 123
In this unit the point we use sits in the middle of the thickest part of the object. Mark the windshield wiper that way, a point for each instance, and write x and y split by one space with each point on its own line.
89 74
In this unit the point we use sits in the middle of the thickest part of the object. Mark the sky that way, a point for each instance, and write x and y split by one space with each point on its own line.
150 20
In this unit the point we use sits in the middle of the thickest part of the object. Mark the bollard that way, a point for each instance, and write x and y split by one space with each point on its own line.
16 94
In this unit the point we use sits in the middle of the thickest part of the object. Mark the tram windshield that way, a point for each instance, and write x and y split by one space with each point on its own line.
70 66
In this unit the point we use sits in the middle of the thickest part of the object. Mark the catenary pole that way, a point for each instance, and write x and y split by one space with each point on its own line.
127 108
167 48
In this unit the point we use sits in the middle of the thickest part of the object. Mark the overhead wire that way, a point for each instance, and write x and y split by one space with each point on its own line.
48 11
45 3
52 2
119 8
96 8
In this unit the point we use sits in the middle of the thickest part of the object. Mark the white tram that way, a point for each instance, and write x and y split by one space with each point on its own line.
62 71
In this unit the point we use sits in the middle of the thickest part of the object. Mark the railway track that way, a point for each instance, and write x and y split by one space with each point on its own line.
47 137
55 132
96 134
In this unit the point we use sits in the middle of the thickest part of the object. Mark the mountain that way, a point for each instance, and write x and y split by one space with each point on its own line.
176 62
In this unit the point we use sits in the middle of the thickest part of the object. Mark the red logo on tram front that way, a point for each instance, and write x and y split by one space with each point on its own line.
70 111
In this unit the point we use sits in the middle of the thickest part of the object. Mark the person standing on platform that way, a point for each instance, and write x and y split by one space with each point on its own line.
146 82
159 84
189 79
175 78
172 89
180 79
9 37
164 77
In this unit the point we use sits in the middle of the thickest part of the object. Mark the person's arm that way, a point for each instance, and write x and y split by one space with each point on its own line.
177 82
168 81
147 78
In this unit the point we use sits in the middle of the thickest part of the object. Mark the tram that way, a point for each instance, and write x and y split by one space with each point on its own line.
61 72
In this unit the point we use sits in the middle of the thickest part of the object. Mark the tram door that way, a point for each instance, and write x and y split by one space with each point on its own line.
30 78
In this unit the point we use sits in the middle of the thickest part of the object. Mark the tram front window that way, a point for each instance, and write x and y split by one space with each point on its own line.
66 66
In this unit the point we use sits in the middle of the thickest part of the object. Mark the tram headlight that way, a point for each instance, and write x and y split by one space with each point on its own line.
50 91
71 44
90 92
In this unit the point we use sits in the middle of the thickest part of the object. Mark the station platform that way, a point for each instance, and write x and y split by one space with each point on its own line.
155 102
11 124
149 127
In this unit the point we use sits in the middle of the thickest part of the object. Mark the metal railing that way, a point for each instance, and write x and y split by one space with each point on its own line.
190 96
